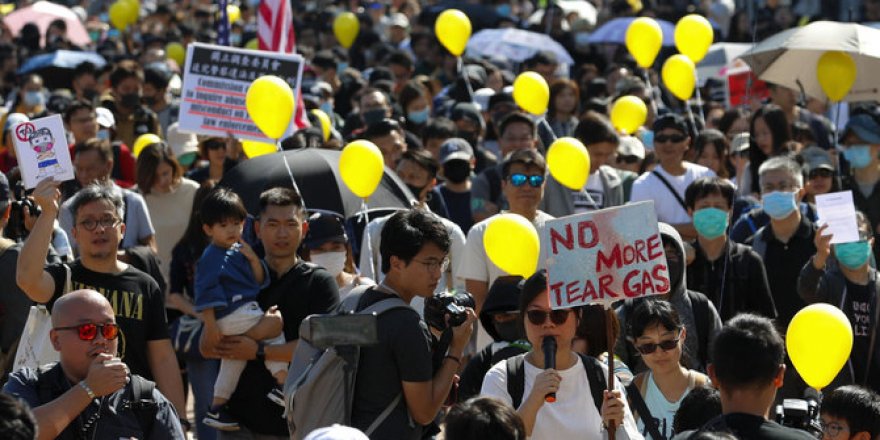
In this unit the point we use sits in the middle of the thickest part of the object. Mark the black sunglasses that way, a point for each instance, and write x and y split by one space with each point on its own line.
821 172
520 179
539 317
662 138
88 332
629 160
651 347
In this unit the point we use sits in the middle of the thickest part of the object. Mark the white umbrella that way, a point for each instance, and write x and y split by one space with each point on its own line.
516 45
789 58
582 8
720 55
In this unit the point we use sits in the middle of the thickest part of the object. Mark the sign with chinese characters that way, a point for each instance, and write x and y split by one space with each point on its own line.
215 83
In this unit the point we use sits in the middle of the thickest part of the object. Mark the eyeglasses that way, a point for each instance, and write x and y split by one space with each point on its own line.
106 222
214 145
88 332
519 179
832 429
539 317
821 172
663 138
629 160
652 347
433 265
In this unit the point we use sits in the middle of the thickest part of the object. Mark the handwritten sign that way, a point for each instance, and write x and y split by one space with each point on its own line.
41 149
604 256
215 86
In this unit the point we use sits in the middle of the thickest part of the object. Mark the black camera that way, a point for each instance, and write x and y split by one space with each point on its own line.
800 414
452 304
15 228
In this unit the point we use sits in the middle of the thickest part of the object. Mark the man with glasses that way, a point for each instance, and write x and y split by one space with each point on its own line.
89 393
137 301
399 369
665 185
850 412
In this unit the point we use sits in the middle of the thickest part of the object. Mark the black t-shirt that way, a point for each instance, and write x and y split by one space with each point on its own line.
752 427
136 300
459 206
403 354
858 304
304 290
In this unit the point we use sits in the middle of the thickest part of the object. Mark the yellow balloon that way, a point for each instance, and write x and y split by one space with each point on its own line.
628 114
270 104
176 52
233 13
453 29
255 148
569 162
693 36
361 166
680 76
326 125
837 73
643 40
346 27
142 141
512 244
531 92
253 44
134 12
819 341
120 14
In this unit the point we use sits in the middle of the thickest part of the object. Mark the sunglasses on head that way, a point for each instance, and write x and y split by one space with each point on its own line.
88 332
539 317
821 172
652 347
663 138
520 179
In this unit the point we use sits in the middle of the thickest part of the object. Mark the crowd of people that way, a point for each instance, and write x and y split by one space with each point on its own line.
174 308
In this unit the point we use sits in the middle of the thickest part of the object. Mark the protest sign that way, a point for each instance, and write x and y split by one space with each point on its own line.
603 256
215 84
41 150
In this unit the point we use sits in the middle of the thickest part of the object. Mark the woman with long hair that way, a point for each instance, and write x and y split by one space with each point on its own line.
415 101
769 131
563 106
710 151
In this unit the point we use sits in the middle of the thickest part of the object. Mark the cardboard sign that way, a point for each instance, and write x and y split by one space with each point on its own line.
41 150
601 257
215 84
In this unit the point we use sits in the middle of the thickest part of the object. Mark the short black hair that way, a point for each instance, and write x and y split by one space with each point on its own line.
595 128
382 128
84 68
527 157
438 128
423 159
747 352
76 106
282 196
516 118
406 232
401 58
220 205
484 418
649 312
859 406
706 186
158 78
699 406
17 422
124 70
96 193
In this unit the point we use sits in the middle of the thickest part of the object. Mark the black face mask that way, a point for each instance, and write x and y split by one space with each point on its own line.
149 100
90 94
510 331
456 171
416 190
373 116
130 100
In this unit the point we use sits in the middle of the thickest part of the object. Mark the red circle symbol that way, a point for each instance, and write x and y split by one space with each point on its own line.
23 131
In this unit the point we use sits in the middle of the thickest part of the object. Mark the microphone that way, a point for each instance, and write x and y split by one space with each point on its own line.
548 346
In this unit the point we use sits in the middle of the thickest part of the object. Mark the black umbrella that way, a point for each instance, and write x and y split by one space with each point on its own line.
316 172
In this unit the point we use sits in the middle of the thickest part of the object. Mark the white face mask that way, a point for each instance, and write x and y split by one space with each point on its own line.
334 262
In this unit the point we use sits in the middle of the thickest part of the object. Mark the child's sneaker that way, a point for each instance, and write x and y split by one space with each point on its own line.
218 418
276 395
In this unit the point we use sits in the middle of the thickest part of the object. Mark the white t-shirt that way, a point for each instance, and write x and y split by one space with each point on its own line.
650 187
594 188
662 410
574 414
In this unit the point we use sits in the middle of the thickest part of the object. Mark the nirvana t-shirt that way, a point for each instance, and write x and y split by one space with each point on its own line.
136 301
858 305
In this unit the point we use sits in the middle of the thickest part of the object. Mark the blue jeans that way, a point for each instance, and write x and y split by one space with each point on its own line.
202 373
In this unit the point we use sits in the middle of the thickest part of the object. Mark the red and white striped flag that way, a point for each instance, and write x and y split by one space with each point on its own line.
275 34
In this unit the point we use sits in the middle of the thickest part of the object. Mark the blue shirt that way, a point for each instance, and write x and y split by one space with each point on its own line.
225 280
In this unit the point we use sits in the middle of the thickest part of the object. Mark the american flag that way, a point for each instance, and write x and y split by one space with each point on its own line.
223 25
275 33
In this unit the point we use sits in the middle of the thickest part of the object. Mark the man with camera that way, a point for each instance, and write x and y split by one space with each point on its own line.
414 247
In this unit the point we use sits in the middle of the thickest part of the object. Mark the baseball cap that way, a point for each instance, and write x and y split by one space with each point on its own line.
105 117
456 148
336 432
400 20
323 228
865 127
482 97
184 145
740 143
467 110
816 158
14 119
631 146
671 120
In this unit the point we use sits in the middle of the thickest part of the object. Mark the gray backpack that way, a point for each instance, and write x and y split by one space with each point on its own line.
315 388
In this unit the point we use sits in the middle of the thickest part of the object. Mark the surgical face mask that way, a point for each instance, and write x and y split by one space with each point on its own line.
340 67
334 262
456 171
327 107
130 100
235 39
710 222
503 10
858 156
779 205
104 134
373 116
648 139
510 331
418 117
34 98
853 255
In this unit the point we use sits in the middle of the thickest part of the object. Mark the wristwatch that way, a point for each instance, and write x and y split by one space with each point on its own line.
261 351
87 389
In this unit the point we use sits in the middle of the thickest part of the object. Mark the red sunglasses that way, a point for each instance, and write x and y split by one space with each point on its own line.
88 332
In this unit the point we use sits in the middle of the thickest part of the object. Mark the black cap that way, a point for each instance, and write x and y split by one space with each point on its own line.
671 120
324 227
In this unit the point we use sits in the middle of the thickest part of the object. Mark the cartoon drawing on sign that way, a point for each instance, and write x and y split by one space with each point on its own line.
43 144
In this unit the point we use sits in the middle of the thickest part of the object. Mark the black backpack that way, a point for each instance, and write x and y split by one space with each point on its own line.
516 379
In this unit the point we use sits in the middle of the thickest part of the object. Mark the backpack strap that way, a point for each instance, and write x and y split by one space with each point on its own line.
700 309
596 378
641 408
759 245
516 379
671 189
383 415
143 404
